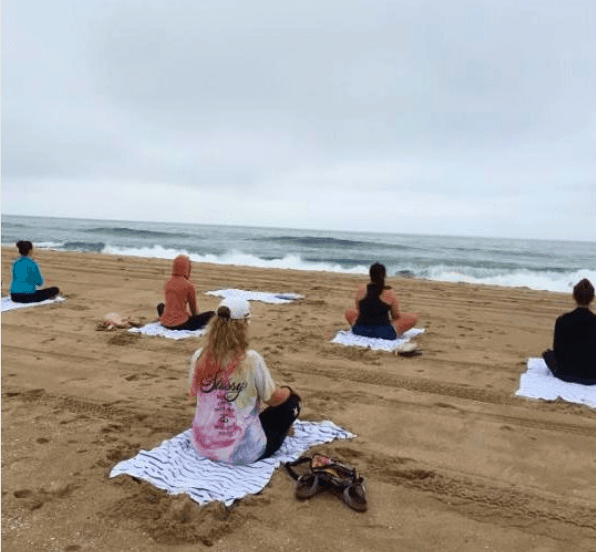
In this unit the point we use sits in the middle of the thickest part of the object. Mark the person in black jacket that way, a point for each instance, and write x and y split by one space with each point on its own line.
573 357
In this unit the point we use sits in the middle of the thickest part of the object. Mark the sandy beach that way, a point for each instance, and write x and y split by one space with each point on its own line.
453 461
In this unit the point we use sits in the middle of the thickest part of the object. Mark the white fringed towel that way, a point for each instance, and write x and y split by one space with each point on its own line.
350 339
176 467
155 329
538 382
9 304
264 297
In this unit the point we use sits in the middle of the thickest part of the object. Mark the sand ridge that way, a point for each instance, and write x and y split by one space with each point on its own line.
452 459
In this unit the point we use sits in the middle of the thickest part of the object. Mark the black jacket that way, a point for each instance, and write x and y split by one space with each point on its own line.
575 345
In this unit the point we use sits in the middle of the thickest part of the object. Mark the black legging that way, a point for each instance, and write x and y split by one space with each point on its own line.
551 362
194 322
36 296
277 420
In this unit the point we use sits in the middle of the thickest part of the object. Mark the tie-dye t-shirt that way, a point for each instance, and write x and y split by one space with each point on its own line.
226 426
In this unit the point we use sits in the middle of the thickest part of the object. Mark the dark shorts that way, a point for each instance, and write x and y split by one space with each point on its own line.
35 297
387 331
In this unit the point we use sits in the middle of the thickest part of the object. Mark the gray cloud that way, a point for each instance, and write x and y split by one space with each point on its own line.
440 111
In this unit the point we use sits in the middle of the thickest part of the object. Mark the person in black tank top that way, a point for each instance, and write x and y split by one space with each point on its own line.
376 313
373 311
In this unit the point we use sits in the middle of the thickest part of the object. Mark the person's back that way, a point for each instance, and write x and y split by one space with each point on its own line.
377 309
230 383
25 276
226 424
573 357
575 345
373 311
179 292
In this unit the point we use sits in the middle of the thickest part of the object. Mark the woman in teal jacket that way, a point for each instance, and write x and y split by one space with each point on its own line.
26 277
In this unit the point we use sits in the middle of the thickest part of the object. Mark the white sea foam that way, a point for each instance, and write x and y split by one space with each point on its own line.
537 280
49 245
541 265
543 281
293 262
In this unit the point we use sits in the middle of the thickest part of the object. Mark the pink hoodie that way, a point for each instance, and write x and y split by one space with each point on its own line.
179 291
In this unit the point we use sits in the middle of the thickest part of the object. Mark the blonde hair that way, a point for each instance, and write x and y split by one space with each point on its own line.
226 340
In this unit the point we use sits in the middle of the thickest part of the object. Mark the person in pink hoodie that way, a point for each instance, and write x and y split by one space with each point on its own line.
180 309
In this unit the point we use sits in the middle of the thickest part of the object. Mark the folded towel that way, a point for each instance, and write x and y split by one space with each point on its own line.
176 467
264 297
538 382
352 340
8 304
156 329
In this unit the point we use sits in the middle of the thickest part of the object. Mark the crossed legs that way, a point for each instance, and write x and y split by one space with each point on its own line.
403 323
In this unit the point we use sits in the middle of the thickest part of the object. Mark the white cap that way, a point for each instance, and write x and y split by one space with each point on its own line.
239 308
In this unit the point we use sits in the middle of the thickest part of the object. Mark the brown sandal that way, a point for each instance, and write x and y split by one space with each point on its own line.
328 474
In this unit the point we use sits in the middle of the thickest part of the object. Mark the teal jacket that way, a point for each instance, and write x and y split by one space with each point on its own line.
25 276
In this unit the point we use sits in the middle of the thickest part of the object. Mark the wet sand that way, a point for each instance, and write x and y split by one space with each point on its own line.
452 459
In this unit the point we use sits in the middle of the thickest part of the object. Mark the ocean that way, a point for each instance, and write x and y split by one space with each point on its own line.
535 264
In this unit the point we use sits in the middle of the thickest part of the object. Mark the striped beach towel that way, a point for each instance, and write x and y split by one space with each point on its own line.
176 467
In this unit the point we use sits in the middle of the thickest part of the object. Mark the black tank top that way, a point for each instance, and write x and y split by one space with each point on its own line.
373 311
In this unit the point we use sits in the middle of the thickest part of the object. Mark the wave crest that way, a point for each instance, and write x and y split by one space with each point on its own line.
324 242
133 233
554 279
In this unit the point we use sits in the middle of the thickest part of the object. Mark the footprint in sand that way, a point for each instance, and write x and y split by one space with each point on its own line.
31 500
111 428
123 339
348 453
447 405
75 307
141 375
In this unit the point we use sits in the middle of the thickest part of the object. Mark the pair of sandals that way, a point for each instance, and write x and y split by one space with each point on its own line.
328 474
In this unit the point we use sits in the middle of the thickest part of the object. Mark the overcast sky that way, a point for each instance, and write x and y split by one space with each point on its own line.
435 117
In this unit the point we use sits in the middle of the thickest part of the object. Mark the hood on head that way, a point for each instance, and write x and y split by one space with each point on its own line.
181 266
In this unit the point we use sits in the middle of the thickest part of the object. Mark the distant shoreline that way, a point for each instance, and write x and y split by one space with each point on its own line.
46 254
546 265
297 229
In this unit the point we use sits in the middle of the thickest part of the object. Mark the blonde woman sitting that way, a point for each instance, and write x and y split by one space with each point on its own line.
231 382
